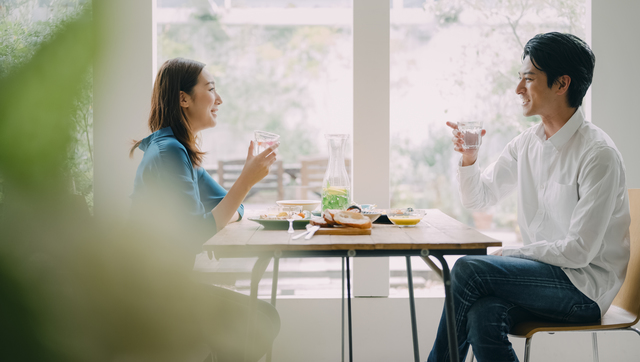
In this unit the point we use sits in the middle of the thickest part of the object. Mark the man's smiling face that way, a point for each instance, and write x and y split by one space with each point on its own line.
533 89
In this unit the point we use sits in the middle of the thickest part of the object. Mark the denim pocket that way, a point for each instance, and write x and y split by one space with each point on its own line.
583 313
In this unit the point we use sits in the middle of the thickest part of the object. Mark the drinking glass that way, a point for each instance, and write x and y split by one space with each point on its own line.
264 140
291 212
471 134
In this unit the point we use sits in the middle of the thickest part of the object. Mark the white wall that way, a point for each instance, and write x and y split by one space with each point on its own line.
122 95
381 329
310 332
615 93
371 141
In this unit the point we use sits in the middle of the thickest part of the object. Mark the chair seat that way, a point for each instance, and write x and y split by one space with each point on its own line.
615 318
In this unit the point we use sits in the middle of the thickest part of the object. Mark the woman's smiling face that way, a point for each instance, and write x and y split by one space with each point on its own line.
202 106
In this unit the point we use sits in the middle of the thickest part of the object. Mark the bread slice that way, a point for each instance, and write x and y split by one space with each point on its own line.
319 221
352 219
328 216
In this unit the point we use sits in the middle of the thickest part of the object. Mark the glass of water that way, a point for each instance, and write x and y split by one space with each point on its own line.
264 140
471 134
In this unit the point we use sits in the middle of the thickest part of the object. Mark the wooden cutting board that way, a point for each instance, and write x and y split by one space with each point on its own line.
343 231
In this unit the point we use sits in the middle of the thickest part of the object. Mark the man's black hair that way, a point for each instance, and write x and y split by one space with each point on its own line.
559 54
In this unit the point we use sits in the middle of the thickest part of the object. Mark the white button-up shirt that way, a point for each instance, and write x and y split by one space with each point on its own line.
573 206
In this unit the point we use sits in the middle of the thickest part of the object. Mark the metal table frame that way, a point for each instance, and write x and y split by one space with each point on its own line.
264 258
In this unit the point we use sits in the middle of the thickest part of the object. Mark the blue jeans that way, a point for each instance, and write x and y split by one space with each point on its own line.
493 293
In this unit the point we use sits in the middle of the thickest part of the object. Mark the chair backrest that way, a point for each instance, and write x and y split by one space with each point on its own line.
229 171
628 297
312 170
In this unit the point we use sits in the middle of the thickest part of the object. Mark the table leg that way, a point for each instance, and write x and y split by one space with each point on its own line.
412 307
349 311
432 265
342 319
274 282
274 291
449 311
256 274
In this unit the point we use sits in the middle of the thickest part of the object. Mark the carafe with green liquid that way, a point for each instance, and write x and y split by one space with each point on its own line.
336 186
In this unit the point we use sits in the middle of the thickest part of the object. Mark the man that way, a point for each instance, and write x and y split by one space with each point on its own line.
573 211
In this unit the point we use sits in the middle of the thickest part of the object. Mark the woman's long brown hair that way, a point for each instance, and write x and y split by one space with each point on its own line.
175 75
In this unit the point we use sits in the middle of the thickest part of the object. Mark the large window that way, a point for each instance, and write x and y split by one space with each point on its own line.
455 60
286 67
280 66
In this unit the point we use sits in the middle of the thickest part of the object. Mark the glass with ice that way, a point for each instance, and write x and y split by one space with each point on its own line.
264 140
471 134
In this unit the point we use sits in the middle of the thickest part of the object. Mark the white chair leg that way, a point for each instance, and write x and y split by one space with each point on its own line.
595 346
527 349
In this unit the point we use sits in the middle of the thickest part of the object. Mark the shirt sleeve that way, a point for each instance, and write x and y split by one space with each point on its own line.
177 181
479 190
211 193
599 183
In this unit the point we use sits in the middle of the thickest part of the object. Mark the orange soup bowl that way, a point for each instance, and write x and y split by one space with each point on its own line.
405 217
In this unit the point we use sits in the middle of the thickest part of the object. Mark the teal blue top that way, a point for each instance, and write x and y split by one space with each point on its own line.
166 181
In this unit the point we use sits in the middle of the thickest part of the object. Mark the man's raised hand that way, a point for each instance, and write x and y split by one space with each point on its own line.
469 156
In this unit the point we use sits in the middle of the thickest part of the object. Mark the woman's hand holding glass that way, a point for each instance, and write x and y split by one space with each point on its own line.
257 166
469 155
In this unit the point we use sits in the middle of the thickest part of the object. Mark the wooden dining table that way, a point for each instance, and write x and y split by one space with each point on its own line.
436 235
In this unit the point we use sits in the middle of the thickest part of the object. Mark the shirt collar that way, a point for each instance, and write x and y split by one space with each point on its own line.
568 130
565 133
163 132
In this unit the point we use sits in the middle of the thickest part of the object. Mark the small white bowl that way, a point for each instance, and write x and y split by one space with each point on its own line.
308 205
373 215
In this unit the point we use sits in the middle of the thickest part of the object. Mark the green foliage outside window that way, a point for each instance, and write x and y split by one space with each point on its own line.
423 173
24 26
262 73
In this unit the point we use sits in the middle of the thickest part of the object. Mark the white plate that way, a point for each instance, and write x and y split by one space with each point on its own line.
276 224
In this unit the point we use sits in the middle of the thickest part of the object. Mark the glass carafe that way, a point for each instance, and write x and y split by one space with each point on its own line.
336 187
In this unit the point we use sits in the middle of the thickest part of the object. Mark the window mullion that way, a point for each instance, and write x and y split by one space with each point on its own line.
371 19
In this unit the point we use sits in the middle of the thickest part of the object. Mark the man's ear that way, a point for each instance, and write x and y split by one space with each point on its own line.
563 83
185 100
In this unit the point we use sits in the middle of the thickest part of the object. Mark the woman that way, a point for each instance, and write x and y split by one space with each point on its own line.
172 189
185 102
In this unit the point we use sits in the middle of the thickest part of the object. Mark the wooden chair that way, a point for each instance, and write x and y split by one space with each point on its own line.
624 312
312 170
229 171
